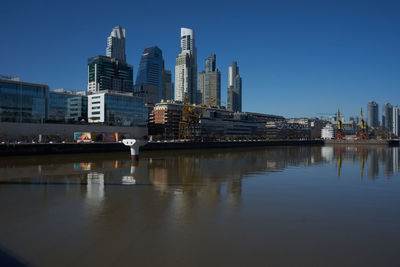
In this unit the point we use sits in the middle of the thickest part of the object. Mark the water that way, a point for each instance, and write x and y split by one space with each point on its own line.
278 206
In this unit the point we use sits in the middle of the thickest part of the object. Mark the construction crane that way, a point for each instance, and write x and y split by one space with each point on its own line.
339 134
363 127
214 100
189 123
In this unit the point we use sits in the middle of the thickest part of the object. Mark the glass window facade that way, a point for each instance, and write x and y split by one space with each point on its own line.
110 74
125 110
58 106
149 77
23 102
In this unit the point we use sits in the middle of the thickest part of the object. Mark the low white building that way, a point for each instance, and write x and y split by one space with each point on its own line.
328 132
120 109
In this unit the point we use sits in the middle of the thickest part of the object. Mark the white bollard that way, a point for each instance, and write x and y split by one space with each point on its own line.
134 145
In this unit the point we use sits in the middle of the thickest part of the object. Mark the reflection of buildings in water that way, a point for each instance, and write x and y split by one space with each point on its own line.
373 164
129 179
374 157
387 162
234 189
396 159
95 190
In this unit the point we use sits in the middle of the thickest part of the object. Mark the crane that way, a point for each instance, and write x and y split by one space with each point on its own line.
339 127
190 119
363 127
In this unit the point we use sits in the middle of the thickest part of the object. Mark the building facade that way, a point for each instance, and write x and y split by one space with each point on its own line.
23 102
372 114
164 119
186 69
167 91
105 73
396 126
210 83
387 116
118 109
149 76
58 105
77 108
235 89
116 44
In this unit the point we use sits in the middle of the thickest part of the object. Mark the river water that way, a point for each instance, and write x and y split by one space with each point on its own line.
277 206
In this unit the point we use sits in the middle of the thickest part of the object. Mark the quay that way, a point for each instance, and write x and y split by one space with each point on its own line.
11 149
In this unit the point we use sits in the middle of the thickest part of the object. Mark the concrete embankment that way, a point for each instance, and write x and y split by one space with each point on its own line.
363 142
69 148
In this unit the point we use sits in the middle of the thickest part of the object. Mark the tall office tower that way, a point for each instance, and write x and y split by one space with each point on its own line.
105 73
372 114
234 89
149 77
396 126
167 91
186 69
387 116
116 44
210 83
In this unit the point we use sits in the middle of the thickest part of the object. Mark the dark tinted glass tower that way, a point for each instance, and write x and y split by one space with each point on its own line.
149 77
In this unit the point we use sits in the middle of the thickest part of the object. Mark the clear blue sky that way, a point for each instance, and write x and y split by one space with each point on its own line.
296 58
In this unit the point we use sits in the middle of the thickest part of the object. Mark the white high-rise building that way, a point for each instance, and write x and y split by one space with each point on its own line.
396 114
116 44
186 69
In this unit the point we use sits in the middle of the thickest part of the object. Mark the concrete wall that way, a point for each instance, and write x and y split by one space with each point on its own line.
12 130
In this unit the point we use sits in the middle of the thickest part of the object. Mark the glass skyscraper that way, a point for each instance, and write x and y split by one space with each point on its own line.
210 82
23 102
105 73
235 89
387 116
149 77
116 44
372 114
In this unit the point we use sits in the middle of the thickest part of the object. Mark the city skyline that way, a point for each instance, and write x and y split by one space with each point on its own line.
351 60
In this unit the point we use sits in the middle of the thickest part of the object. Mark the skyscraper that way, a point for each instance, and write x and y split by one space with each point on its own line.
186 69
111 72
372 114
149 77
105 73
116 44
396 126
234 89
210 82
167 91
387 116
